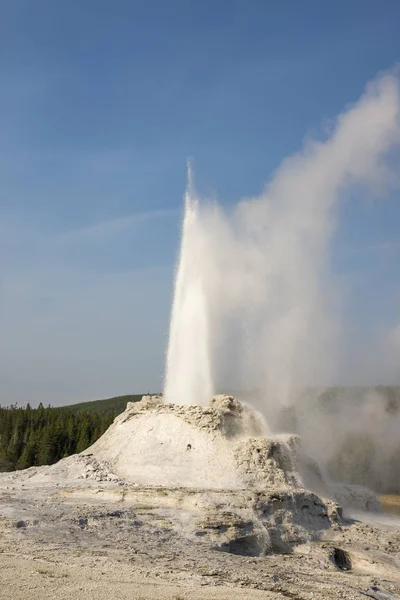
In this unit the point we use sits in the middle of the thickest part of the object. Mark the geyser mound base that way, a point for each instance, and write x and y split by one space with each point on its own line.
215 447
222 482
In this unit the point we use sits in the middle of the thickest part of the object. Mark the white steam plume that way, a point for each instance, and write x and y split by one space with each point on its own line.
253 299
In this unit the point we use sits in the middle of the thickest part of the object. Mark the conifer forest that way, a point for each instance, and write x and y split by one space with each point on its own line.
42 436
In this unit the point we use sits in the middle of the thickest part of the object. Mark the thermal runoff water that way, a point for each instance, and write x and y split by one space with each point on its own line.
255 306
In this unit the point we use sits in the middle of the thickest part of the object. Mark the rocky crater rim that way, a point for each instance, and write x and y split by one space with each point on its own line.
224 414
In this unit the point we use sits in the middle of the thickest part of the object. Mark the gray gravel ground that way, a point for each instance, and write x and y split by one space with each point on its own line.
100 540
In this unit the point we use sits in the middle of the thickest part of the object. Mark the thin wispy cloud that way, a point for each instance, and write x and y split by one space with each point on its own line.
109 229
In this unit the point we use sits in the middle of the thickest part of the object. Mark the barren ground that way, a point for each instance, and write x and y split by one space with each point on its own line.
101 540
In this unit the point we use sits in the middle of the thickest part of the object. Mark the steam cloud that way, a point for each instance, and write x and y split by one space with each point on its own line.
254 306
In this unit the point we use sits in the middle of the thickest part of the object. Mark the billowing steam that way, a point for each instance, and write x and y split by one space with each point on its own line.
254 306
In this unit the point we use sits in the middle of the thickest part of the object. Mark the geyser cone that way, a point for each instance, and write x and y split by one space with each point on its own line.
188 372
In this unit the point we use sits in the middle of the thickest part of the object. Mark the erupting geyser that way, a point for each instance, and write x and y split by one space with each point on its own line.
254 301
188 373
190 472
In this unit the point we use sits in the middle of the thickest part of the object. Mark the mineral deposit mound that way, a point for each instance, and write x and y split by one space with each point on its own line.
222 480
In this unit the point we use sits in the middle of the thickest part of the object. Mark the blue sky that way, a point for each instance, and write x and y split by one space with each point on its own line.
101 105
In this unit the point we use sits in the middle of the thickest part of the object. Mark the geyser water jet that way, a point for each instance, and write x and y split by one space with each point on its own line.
254 301
188 372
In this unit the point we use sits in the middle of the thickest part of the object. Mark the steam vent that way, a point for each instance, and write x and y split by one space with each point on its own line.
213 470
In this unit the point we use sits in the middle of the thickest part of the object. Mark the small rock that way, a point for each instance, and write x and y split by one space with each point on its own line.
20 524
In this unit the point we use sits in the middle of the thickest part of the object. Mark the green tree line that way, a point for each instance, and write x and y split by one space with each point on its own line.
42 436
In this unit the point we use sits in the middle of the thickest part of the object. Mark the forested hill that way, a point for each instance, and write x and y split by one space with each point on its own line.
111 405
41 436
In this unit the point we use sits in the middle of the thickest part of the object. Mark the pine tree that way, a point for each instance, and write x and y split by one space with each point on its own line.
28 456
46 454
84 435
16 444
